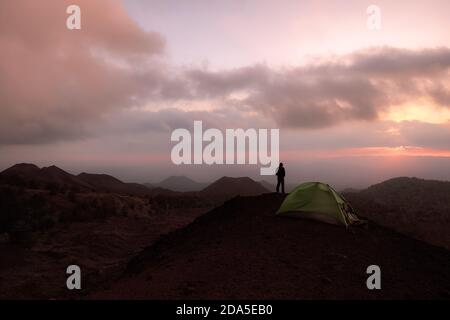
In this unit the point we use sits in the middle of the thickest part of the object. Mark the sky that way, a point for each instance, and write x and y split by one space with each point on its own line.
354 106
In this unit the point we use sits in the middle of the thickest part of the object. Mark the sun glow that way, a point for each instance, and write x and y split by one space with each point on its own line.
399 151
424 112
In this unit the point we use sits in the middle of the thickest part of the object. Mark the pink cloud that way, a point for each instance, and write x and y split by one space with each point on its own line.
54 80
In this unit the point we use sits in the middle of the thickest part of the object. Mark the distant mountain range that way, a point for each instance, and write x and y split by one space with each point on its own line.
54 178
224 185
179 183
243 186
107 183
413 206
30 175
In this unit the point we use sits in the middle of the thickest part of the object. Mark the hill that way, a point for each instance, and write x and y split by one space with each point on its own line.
400 191
180 184
107 183
29 175
228 186
241 250
416 207
56 179
267 185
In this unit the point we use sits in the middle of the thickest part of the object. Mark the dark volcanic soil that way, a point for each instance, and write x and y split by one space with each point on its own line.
102 248
241 250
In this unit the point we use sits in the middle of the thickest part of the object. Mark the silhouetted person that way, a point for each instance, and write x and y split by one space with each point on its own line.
280 175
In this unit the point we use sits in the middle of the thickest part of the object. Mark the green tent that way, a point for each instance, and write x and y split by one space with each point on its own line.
318 201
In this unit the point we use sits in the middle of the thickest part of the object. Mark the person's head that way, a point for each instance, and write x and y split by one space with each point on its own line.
281 164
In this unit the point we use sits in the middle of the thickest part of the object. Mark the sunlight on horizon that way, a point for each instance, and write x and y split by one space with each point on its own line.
423 111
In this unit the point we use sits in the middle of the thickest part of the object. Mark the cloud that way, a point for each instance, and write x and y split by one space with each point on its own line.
61 85
357 86
55 82
146 123
426 134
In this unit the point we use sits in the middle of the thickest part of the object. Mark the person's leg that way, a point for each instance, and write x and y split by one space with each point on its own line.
282 185
278 185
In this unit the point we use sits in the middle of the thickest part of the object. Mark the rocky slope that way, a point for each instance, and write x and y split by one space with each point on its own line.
241 250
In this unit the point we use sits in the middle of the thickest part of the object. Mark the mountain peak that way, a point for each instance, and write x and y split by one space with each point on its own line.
54 169
244 186
98 176
22 167
177 178
181 184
